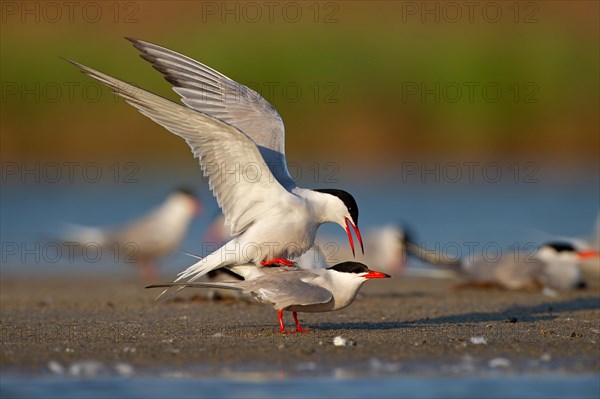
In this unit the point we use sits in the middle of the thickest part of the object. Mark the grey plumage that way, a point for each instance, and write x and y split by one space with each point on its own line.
205 90
280 287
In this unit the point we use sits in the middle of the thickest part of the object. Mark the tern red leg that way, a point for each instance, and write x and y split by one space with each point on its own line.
281 326
277 261
298 328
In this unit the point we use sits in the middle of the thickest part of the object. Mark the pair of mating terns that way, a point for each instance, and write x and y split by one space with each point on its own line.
229 125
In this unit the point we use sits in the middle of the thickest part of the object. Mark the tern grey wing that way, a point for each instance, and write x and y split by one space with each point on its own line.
210 92
280 287
220 148
286 288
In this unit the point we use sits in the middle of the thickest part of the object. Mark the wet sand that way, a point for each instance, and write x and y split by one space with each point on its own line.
406 325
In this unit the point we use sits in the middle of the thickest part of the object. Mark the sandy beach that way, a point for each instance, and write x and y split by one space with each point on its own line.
408 325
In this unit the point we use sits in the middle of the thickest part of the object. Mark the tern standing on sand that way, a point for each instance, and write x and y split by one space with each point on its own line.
297 290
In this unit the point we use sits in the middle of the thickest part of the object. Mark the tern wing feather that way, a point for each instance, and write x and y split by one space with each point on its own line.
244 187
287 288
208 91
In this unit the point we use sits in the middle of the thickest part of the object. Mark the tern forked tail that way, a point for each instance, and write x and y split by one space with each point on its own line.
211 262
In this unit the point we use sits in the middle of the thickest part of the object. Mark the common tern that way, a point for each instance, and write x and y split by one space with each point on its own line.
590 267
586 245
293 289
554 265
239 140
145 240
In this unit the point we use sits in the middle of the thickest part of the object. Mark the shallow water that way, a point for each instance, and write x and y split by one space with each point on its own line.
547 387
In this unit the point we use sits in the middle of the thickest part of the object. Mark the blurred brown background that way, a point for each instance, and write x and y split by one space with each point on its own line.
362 83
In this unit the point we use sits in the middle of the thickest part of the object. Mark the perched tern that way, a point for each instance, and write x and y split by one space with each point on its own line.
586 245
148 238
239 139
553 265
590 268
293 289
589 265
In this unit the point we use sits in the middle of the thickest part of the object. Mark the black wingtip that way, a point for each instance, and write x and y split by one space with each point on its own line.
75 64
68 60
142 47
138 44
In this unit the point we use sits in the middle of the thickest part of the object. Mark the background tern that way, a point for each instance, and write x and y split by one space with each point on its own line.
553 265
296 290
145 240
590 267
230 127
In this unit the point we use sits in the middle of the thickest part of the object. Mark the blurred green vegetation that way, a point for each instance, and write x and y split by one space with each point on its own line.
357 75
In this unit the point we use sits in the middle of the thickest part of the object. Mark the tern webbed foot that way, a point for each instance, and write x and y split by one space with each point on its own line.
298 328
277 261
